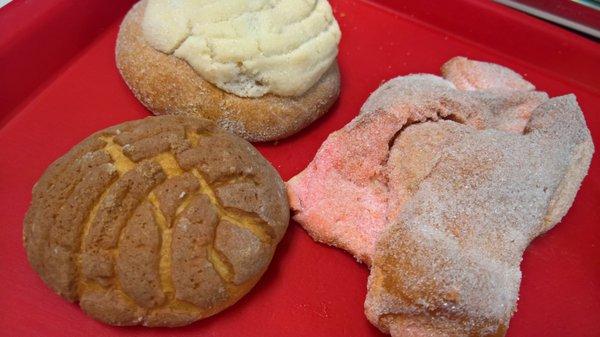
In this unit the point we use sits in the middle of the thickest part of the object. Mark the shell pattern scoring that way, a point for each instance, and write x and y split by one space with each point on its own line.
157 222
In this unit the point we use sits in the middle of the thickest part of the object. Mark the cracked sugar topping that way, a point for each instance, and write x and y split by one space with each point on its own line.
169 219
248 48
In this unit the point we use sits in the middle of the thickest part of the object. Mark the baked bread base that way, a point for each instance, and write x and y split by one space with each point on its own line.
166 84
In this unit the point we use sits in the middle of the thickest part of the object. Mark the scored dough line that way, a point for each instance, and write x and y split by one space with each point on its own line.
172 169
236 219
123 165
87 224
164 264
121 162
221 264
192 137
219 261
169 164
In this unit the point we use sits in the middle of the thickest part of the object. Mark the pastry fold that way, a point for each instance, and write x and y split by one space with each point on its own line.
439 185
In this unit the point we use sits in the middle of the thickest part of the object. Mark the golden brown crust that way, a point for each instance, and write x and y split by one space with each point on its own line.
159 222
166 84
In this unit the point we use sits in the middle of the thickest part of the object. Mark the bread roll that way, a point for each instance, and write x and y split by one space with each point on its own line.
259 97
157 222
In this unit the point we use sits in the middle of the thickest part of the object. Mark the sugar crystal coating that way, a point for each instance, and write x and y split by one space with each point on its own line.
439 185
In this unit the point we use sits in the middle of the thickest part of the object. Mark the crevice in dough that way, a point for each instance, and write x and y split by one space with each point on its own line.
221 264
169 164
234 179
250 221
81 280
121 162
166 233
241 218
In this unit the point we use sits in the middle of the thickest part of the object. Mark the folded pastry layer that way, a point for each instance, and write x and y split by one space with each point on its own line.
448 264
343 197
439 185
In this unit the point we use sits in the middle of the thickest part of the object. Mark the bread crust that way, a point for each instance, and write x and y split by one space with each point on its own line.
156 222
166 84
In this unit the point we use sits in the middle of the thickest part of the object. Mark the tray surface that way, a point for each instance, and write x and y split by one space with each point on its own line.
310 289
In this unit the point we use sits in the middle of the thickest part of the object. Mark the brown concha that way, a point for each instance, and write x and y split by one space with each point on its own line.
157 222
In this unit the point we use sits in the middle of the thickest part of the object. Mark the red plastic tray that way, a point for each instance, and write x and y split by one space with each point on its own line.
58 84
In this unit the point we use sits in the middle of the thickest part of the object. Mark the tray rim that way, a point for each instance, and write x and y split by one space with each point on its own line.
492 12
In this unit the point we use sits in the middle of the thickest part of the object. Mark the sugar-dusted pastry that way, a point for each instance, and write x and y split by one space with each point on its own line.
448 263
473 75
157 222
439 185
260 69
344 197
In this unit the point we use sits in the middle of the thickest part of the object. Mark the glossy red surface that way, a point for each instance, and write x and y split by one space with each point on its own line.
574 10
310 289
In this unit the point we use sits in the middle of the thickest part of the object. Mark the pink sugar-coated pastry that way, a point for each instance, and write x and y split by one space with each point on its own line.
439 185
476 75
448 263
343 197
